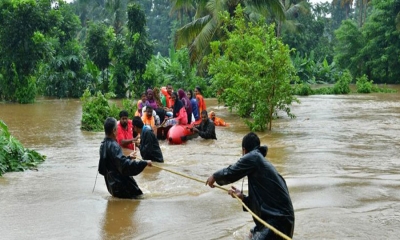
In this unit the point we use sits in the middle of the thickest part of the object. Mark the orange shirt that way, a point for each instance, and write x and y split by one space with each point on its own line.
219 122
149 121
168 98
201 103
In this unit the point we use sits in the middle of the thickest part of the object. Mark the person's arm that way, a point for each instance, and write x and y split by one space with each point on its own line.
241 168
125 165
181 115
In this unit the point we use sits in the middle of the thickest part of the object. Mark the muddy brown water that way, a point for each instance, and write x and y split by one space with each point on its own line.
340 158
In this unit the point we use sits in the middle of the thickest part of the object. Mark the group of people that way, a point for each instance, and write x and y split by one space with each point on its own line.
268 195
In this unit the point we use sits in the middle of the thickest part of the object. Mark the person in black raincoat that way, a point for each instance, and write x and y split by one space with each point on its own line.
116 168
206 129
148 146
268 194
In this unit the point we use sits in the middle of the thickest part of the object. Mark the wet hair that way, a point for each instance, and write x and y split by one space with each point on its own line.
123 113
204 112
251 142
148 106
137 122
109 125
175 94
199 90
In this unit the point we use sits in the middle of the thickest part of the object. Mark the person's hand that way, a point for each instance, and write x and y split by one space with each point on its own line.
133 155
195 129
234 191
210 181
149 163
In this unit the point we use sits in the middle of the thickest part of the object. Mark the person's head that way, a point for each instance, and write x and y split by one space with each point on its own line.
149 111
181 93
174 96
123 118
169 89
212 115
204 116
137 124
110 127
197 90
149 94
190 94
250 142
143 97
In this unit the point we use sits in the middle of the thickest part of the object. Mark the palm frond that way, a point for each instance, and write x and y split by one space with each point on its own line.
186 34
274 6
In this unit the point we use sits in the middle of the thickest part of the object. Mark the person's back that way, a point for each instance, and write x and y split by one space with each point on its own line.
267 188
116 168
148 146
268 195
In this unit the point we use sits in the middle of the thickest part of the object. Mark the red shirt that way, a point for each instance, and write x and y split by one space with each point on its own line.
124 134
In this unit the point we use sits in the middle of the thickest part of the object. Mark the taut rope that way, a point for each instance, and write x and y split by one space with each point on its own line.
276 231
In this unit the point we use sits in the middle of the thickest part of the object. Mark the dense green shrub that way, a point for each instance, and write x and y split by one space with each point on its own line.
13 156
95 109
303 89
364 85
342 85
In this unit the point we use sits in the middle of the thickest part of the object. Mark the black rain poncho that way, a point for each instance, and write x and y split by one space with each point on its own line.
268 194
149 146
207 130
117 170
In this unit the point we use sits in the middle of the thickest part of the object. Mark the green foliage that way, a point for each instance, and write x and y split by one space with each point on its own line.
310 71
303 89
350 41
129 106
364 85
95 109
13 156
342 85
175 70
24 25
254 70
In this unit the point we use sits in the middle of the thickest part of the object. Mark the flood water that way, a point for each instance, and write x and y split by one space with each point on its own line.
340 159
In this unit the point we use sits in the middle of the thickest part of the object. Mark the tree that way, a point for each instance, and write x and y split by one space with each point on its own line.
140 49
350 41
205 27
254 72
98 45
24 26
382 48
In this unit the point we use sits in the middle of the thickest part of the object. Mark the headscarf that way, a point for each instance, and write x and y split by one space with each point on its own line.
186 101
177 105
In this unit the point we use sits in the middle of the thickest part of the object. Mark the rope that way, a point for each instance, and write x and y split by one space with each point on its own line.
276 231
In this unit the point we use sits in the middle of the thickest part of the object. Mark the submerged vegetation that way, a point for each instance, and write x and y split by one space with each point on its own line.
96 108
13 156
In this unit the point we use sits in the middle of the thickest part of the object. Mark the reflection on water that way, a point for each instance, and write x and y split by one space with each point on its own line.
339 158
118 219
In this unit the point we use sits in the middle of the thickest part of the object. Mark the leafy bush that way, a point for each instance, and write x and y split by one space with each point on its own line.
13 156
95 109
364 85
342 85
303 89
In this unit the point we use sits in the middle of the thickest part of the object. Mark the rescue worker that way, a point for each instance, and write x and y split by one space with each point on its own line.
116 168
268 194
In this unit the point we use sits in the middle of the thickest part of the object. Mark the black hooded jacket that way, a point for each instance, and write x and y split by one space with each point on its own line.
207 130
149 146
117 170
268 194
